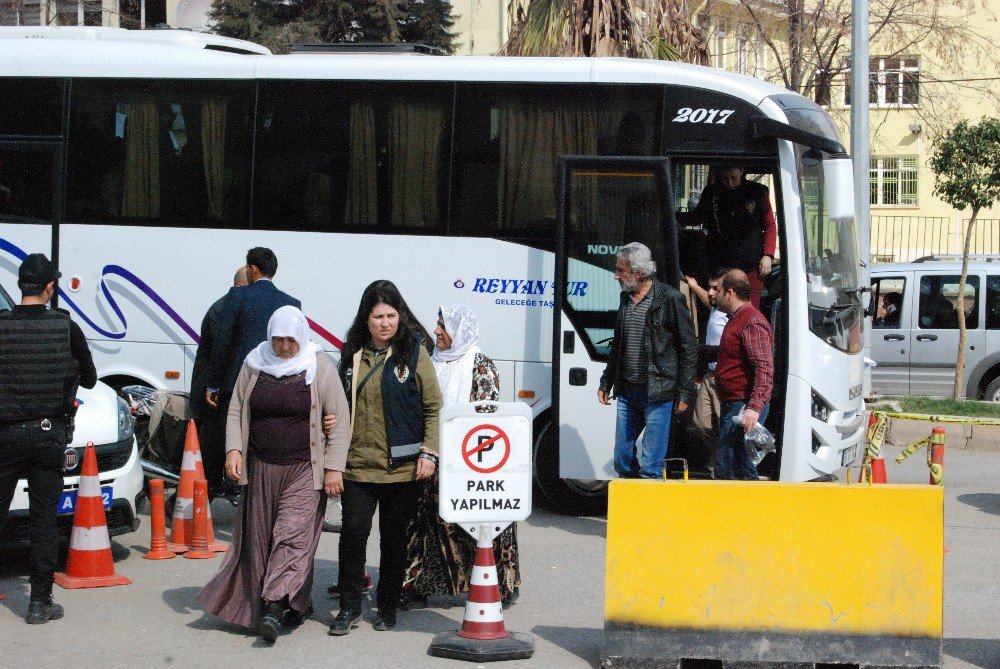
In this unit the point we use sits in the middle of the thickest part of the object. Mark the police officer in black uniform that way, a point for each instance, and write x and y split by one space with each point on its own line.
737 216
43 359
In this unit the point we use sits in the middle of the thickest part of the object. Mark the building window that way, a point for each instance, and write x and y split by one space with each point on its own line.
894 181
893 82
743 53
719 55
20 13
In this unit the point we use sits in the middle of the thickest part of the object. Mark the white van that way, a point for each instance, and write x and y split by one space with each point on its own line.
103 418
915 327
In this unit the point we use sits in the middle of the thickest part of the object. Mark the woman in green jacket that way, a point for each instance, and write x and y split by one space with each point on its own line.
395 400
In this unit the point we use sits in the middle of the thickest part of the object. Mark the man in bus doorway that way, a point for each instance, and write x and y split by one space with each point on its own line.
45 358
651 366
707 410
744 375
737 217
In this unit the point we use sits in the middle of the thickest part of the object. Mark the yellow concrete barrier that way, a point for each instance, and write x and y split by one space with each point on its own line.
774 572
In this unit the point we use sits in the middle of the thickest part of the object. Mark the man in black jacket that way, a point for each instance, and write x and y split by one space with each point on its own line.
242 325
211 425
44 360
654 354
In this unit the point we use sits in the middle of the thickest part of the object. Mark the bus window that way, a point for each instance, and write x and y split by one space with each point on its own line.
25 186
506 139
31 106
353 157
166 153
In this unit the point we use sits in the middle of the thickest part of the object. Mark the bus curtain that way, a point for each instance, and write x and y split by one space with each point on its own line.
532 135
213 152
141 197
415 135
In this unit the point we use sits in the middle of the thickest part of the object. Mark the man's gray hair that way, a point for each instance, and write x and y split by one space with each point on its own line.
639 259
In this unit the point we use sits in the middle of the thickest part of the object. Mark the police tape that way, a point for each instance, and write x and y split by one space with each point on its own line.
936 438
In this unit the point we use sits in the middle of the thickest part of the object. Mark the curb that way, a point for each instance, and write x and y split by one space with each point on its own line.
982 438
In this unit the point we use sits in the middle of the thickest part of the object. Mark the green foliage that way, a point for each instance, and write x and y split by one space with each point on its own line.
966 164
277 24
949 407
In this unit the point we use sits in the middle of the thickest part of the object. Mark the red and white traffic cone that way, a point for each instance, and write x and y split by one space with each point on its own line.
89 564
483 611
483 637
182 525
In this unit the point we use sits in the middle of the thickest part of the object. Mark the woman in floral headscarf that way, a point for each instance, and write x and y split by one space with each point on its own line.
441 555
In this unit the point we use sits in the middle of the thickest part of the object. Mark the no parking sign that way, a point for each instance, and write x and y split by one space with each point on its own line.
485 463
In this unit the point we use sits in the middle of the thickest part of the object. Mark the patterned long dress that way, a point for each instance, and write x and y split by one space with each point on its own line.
440 555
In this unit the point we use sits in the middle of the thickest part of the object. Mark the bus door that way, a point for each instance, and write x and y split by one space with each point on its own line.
604 203
30 203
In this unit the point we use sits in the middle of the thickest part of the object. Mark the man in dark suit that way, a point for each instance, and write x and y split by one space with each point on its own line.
211 424
243 324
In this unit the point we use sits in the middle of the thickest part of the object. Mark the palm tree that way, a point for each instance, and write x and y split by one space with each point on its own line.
660 29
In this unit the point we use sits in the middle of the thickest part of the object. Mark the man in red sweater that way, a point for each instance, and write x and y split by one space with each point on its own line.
744 375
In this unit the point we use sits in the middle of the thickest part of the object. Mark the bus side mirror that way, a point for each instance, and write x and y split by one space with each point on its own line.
838 186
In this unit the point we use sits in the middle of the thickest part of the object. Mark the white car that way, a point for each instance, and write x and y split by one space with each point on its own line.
104 419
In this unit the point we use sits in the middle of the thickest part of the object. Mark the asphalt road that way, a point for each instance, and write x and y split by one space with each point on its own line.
157 621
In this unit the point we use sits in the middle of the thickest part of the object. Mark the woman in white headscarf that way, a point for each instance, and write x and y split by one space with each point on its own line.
440 555
276 449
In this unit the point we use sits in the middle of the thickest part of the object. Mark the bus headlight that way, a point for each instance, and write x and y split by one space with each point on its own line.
820 409
126 424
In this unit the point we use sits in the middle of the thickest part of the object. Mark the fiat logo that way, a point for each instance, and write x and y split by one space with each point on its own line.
71 459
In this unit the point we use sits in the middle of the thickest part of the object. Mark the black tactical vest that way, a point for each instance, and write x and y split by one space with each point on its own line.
38 374
736 226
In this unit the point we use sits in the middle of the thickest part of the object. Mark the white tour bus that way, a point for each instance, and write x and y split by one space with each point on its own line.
149 166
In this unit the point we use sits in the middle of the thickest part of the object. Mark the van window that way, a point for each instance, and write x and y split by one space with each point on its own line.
993 303
890 291
939 302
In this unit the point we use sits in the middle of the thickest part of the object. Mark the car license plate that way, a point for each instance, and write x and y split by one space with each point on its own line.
847 456
67 501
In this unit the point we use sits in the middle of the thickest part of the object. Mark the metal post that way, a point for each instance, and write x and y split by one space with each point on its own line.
860 149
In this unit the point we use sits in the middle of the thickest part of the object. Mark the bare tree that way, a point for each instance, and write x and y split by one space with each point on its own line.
947 35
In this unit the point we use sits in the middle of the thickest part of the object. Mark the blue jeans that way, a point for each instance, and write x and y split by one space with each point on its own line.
732 461
634 414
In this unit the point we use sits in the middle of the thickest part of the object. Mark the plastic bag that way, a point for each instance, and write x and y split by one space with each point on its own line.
758 442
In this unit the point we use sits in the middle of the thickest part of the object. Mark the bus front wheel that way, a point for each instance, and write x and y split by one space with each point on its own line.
570 496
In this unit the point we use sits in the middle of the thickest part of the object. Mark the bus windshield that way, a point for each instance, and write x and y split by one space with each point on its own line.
833 270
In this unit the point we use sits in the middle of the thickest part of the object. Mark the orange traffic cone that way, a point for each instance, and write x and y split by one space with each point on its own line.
89 564
878 471
483 637
199 539
182 526
157 524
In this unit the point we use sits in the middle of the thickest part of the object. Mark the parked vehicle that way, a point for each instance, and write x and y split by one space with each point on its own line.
103 418
915 327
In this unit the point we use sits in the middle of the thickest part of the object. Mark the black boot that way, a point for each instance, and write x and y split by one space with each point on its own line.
346 620
270 625
384 621
41 611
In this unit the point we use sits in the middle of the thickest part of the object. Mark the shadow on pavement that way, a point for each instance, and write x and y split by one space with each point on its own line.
986 502
183 600
582 525
584 642
984 653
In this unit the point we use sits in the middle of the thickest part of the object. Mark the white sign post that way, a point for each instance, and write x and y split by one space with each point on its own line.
484 478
